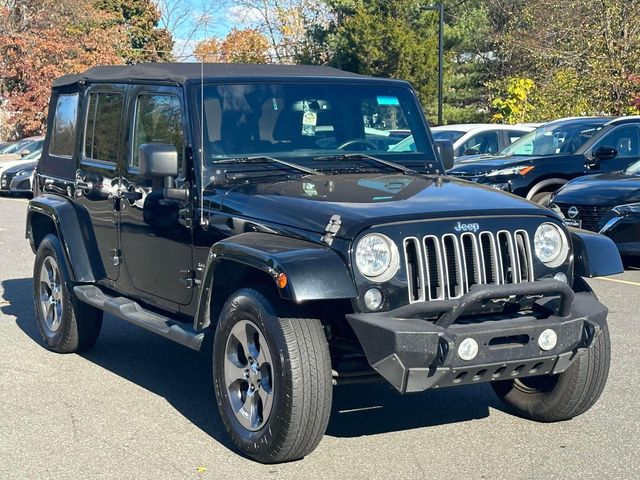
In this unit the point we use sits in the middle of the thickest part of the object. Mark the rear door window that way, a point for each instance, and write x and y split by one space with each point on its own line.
103 127
484 142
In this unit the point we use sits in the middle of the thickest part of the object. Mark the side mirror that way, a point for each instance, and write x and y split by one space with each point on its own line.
605 153
445 152
25 152
159 163
158 160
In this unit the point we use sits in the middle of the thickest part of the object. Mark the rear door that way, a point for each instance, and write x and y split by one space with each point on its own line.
156 238
97 178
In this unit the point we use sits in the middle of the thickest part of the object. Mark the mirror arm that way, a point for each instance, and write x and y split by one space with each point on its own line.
180 194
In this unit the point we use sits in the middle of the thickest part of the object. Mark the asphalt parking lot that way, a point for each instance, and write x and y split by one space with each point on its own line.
138 406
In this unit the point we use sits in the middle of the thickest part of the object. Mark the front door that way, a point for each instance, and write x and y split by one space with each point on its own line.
626 140
156 241
97 177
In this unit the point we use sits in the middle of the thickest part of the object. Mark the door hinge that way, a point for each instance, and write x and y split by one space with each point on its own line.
116 256
185 218
188 277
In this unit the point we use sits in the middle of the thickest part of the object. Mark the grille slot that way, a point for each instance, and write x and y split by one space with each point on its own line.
446 267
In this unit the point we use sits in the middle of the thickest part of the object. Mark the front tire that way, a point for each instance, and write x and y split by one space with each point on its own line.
553 398
65 324
272 379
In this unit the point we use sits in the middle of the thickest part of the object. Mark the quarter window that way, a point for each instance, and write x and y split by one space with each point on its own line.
158 120
102 132
63 136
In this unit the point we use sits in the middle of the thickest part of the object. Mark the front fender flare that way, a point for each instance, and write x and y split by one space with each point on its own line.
314 272
594 255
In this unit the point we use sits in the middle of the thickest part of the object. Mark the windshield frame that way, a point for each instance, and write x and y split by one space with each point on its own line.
427 161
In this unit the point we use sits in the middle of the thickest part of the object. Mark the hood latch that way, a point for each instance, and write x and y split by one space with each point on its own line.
331 229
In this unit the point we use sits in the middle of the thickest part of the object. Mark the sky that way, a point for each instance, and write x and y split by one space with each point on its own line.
222 20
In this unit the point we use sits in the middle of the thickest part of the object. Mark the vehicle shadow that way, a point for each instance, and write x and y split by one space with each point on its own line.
184 378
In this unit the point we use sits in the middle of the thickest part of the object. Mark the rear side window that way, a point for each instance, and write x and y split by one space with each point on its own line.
158 120
63 136
102 133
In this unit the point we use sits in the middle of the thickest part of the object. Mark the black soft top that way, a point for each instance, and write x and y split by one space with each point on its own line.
182 73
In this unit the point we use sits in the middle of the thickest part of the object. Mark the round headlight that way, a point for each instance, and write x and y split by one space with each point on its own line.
376 255
550 244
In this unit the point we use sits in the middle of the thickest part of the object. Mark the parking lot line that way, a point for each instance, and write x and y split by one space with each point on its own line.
626 282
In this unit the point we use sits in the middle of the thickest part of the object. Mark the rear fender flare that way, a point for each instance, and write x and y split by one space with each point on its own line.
67 227
313 271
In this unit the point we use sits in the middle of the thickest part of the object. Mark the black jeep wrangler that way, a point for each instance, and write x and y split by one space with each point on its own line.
262 204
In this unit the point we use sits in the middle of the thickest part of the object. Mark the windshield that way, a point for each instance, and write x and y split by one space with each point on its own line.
303 123
559 138
451 135
633 169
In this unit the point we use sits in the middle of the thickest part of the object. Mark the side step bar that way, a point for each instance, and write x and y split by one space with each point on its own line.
132 312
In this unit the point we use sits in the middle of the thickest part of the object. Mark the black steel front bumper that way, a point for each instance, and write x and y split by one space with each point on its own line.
414 354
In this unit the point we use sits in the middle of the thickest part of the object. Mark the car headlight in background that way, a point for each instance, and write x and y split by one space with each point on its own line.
551 245
24 173
377 257
511 171
628 209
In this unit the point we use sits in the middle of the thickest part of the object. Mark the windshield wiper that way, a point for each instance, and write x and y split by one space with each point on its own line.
264 158
364 156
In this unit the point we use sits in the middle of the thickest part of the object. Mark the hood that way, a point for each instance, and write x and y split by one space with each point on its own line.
17 166
604 189
484 164
363 200
5 165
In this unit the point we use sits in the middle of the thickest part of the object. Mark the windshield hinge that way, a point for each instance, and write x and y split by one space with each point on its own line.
331 229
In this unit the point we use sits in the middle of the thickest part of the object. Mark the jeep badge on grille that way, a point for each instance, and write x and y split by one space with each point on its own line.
467 227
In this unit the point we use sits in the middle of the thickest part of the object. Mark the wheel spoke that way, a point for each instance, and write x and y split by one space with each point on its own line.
241 336
266 399
250 408
45 277
233 372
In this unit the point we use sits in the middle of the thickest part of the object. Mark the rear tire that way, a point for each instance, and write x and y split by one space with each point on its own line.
272 379
65 324
553 398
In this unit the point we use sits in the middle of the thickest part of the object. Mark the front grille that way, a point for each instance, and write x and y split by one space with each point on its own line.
440 268
4 181
590 215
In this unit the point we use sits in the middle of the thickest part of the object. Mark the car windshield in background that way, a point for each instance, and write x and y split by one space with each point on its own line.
306 122
451 135
563 139
633 169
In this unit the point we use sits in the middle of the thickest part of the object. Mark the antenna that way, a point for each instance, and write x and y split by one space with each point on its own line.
202 155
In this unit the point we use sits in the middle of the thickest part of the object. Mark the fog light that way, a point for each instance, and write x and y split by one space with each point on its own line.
561 277
548 339
468 349
373 299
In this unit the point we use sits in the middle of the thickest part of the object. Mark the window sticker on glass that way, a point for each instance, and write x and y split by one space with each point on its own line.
309 122
387 100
